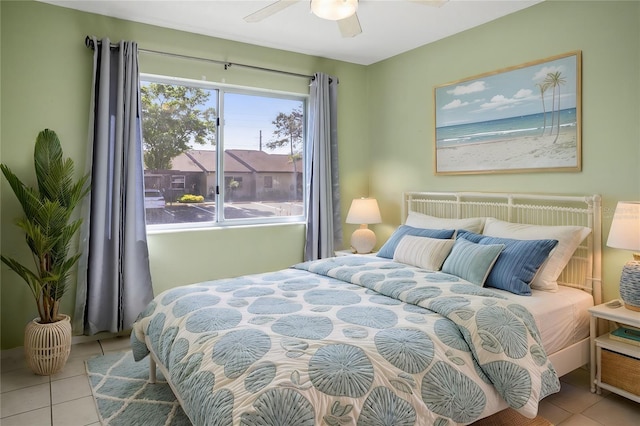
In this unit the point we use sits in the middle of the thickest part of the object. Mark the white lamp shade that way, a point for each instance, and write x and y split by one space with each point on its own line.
625 228
334 10
364 211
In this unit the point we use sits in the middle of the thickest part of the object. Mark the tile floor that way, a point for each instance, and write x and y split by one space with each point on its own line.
65 398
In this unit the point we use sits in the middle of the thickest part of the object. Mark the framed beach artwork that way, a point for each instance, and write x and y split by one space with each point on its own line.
525 118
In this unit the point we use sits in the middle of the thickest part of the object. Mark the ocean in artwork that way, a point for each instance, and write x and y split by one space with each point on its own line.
502 129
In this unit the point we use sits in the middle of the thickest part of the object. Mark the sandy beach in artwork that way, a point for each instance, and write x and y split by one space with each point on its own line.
527 152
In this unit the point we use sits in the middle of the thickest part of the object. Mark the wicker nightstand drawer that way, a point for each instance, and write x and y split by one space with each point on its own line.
621 371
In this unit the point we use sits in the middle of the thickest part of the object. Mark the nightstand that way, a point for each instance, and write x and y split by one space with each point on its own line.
615 365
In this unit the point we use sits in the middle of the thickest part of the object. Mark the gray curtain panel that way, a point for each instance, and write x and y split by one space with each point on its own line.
324 224
114 280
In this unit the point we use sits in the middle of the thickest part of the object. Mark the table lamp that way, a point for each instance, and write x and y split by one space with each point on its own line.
625 234
363 211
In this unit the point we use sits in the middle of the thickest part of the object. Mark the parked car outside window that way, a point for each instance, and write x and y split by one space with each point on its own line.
153 199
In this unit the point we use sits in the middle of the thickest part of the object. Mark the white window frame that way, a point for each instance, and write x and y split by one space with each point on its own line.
222 89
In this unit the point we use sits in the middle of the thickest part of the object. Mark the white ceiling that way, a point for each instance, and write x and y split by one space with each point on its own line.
389 27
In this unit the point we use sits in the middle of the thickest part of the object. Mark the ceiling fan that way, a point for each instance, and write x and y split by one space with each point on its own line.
341 11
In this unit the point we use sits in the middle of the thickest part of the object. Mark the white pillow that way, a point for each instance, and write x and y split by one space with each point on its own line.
423 252
569 238
419 220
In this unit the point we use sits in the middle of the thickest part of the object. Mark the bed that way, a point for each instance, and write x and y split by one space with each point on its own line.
384 339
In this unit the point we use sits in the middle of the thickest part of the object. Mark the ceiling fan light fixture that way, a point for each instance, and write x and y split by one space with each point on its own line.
334 10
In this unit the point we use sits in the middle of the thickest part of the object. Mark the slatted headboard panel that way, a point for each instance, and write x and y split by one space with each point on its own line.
583 271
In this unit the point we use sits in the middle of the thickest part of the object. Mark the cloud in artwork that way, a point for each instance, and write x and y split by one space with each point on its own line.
522 94
456 103
541 74
476 86
501 102
498 102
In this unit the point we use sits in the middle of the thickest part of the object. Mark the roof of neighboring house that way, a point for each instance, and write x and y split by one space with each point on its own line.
261 161
205 161
235 161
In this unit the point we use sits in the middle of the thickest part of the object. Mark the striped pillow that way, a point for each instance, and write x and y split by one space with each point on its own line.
471 261
518 263
389 248
423 252
569 238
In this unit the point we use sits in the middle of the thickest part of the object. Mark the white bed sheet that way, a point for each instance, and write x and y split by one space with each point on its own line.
562 317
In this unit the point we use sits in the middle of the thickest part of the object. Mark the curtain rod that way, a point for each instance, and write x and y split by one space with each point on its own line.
89 43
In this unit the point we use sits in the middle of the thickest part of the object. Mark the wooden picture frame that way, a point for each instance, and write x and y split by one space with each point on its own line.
525 118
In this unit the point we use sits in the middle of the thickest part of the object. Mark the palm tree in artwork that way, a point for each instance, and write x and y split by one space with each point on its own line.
555 80
543 88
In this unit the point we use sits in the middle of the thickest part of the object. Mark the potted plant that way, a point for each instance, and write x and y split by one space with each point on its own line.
48 232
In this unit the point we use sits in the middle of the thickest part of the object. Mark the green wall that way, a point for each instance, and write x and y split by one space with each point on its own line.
607 33
45 79
385 126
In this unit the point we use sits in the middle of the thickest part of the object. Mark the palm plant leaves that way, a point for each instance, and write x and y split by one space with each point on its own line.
28 197
48 232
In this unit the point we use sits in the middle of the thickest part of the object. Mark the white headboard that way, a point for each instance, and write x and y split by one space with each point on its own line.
583 271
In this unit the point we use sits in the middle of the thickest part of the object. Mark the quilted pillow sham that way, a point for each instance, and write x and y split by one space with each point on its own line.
420 220
388 249
517 264
423 252
471 261
569 238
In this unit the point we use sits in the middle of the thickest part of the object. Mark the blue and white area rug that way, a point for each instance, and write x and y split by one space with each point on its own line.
124 396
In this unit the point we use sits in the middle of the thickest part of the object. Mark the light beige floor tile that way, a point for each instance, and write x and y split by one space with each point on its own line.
25 399
85 350
13 359
74 367
615 410
579 420
553 413
18 379
578 377
116 344
573 398
79 412
11 353
69 389
40 417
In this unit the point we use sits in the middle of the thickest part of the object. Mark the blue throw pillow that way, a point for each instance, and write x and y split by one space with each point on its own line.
471 261
517 264
389 248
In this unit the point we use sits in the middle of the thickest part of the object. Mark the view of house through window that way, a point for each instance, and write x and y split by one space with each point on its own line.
212 154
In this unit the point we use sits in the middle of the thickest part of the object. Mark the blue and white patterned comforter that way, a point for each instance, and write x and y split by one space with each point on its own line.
347 340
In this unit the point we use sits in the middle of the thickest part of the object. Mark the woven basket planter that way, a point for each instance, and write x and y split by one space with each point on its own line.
47 346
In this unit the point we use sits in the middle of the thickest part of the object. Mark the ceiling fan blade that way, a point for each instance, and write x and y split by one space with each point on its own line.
435 3
350 27
269 10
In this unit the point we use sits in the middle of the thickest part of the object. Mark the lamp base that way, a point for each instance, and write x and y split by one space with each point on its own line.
631 307
630 285
363 240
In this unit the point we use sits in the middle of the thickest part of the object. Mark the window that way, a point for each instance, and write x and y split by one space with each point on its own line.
177 182
222 155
